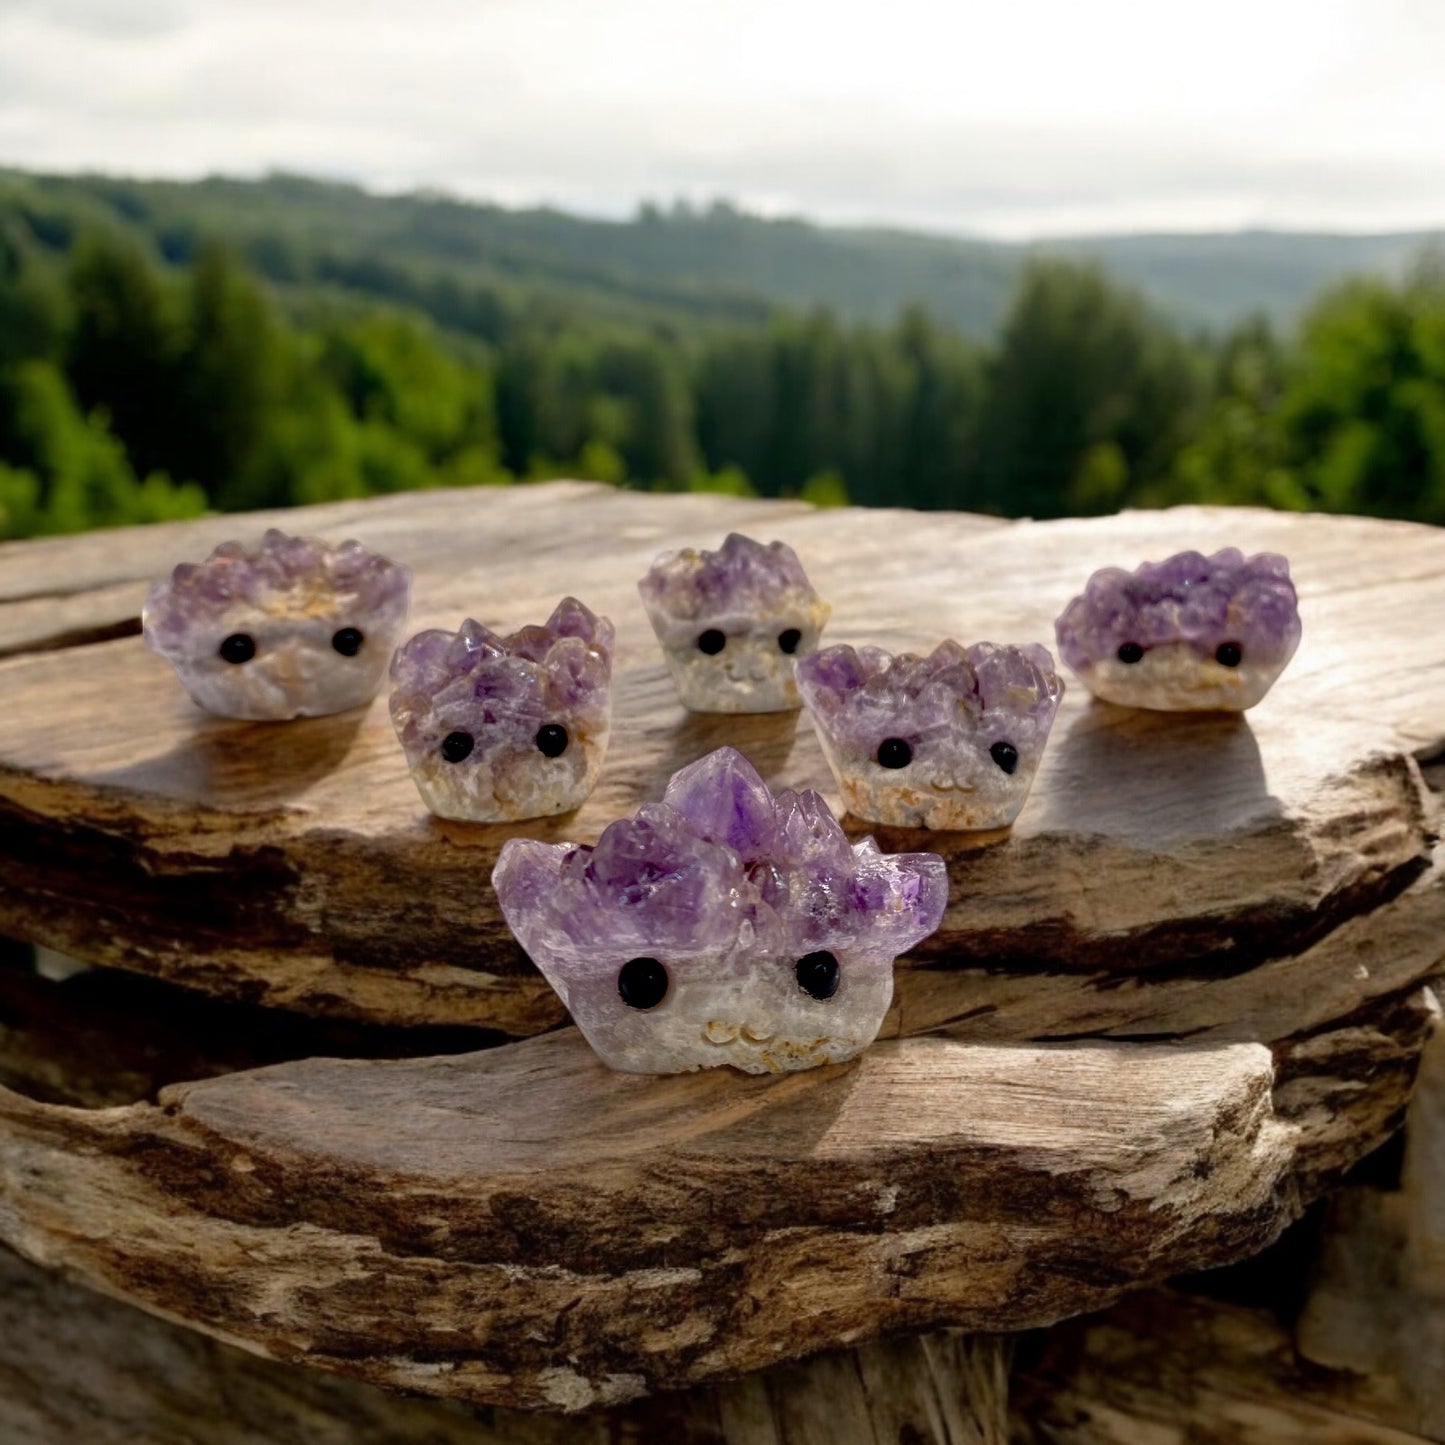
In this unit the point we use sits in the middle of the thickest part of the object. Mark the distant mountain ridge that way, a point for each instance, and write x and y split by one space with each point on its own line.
677 266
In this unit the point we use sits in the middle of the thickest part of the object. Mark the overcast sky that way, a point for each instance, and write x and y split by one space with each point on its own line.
1016 118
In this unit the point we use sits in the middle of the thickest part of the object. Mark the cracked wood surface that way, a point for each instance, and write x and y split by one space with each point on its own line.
1168 876
524 1227
78 1370
1377 1301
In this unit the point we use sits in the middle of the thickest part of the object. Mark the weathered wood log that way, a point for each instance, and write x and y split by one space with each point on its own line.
1378 1302
100 1037
78 1368
524 1227
1173 1369
1346 1086
296 866
520 1226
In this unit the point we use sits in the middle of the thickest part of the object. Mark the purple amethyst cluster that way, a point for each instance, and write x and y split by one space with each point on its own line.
298 627
722 925
951 740
503 728
1186 634
731 623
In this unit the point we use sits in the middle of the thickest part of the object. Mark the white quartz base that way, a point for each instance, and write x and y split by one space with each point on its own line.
295 673
1175 678
752 673
730 1010
959 792
512 786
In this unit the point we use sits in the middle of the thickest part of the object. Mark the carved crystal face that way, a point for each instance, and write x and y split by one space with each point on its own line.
732 622
502 728
721 926
949 741
297 628
1189 634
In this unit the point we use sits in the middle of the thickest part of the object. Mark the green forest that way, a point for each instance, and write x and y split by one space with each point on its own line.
171 349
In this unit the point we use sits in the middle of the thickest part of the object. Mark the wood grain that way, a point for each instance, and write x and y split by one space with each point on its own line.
76 1369
523 1227
1175 1369
1377 1305
100 1037
294 864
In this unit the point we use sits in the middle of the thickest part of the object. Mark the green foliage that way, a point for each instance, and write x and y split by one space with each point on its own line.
1090 397
33 302
73 472
1364 415
825 489
730 482
1237 455
230 377
124 344
20 512
340 346
483 269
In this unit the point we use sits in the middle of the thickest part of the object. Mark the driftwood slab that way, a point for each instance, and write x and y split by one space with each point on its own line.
523 1227
1078 1097
78 1370
1377 1302
1176 1369
294 864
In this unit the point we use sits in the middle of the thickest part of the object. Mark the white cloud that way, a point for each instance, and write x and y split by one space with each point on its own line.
1038 117
121 19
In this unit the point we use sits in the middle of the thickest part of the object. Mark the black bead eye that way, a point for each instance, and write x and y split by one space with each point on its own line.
1131 652
1005 755
712 642
456 746
790 639
1229 654
894 753
347 641
238 647
817 975
552 740
642 982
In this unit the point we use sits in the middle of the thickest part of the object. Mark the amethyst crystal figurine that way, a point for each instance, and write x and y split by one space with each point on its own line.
721 926
501 728
951 740
296 628
1189 634
731 622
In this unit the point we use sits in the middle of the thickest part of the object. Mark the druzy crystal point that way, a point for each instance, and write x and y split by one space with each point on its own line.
951 740
731 623
501 728
296 628
1189 634
722 925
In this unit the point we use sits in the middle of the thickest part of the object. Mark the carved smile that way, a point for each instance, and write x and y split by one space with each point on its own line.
721 1033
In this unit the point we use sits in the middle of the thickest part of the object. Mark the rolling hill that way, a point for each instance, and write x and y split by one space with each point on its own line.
464 262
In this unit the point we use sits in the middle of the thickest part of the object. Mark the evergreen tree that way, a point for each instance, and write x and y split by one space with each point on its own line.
1364 413
1081 365
124 346
33 311
1238 455
232 372
940 462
